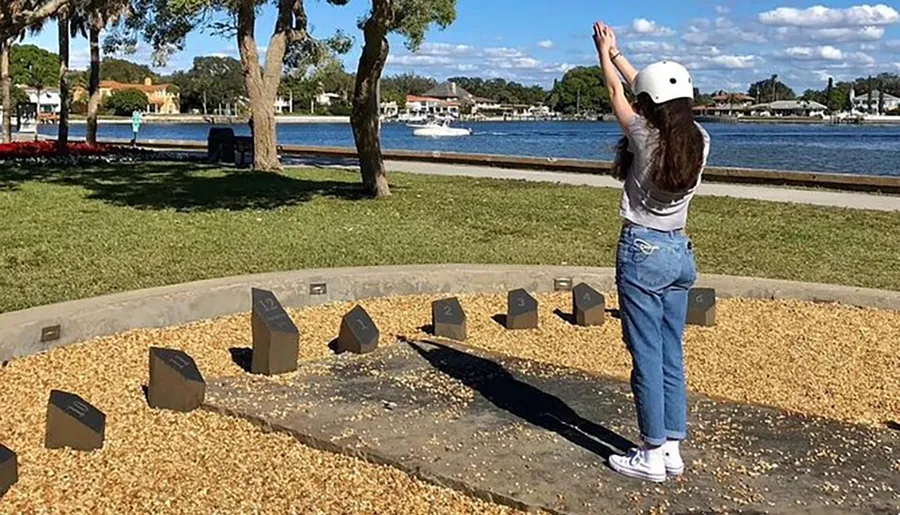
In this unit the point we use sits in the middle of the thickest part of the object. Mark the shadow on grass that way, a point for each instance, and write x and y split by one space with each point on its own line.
496 384
183 186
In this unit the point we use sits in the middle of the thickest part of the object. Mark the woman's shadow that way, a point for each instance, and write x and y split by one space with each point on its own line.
531 404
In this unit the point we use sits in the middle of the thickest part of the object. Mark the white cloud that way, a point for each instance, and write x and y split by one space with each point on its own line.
844 34
893 44
545 44
444 49
721 9
733 62
649 27
827 52
502 52
418 60
649 46
821 16
700 32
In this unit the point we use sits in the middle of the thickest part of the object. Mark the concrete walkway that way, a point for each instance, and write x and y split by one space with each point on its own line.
769 193
532 435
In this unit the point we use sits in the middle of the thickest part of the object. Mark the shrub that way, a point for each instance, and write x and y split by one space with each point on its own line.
125 102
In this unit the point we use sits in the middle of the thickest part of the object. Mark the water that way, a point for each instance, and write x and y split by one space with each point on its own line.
870 150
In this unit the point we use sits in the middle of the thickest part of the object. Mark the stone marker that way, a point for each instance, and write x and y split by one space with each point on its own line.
220 145
9 469
448 319
175 381
702 307
276 340
521 310
588 305
358 334
73 422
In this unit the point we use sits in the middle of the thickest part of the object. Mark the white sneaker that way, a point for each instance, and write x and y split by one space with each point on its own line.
647 464
672 458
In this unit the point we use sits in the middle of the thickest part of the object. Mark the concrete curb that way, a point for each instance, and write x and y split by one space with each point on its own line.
80 320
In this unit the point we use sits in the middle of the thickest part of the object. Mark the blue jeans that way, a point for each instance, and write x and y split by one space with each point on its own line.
654 271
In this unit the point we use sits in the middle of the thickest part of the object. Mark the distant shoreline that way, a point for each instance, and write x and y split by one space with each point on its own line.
306 119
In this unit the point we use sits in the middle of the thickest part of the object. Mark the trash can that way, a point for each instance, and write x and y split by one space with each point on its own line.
220 145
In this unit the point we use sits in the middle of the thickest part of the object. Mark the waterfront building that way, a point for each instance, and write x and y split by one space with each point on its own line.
161 98
806 108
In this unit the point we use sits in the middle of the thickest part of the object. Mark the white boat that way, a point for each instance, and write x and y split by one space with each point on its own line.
437 129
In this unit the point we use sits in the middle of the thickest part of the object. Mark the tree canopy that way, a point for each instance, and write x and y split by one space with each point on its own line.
127 72
501 90
585 83
211 81
33 66
763 90
125 102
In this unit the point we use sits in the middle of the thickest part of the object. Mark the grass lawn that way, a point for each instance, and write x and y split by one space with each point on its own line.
75 233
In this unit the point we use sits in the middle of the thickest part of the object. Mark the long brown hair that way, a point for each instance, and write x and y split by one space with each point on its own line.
678 157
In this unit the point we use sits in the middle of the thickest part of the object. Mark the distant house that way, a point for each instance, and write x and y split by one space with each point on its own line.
390 109
451 92
861 101
326 99
425 106
807 108
726 104
161 98
50 102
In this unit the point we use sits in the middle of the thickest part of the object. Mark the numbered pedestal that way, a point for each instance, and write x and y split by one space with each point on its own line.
521 310
358 333
702 307
276 340
588 306
175 381
9 469
73 422
448 319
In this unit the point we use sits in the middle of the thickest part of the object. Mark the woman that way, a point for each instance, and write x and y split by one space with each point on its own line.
660 160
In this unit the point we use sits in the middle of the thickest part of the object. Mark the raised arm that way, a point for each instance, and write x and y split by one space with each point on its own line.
605 40
621 63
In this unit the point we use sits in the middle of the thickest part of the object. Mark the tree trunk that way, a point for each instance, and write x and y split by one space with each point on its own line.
7 94
262 85
93 111
365 115
62 138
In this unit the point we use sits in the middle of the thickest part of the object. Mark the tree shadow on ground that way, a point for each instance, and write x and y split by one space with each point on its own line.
183 186
500 387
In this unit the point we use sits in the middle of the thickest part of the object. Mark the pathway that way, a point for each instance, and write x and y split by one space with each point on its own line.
532 435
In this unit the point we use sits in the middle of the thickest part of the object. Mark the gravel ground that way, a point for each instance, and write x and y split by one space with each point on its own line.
827 360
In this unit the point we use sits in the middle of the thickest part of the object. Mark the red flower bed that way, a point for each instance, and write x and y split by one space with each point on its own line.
26 149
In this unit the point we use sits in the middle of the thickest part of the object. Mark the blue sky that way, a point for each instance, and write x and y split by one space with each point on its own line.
727 44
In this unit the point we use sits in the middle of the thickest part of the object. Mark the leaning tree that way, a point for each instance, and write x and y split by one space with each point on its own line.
166 23
16 17
409 18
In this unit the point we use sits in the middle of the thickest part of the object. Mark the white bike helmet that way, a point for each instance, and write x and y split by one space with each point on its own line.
664 81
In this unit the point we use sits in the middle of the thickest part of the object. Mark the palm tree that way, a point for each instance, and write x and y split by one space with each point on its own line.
63 17
91 18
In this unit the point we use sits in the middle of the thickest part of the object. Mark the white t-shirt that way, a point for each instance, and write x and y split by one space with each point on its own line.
642 202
